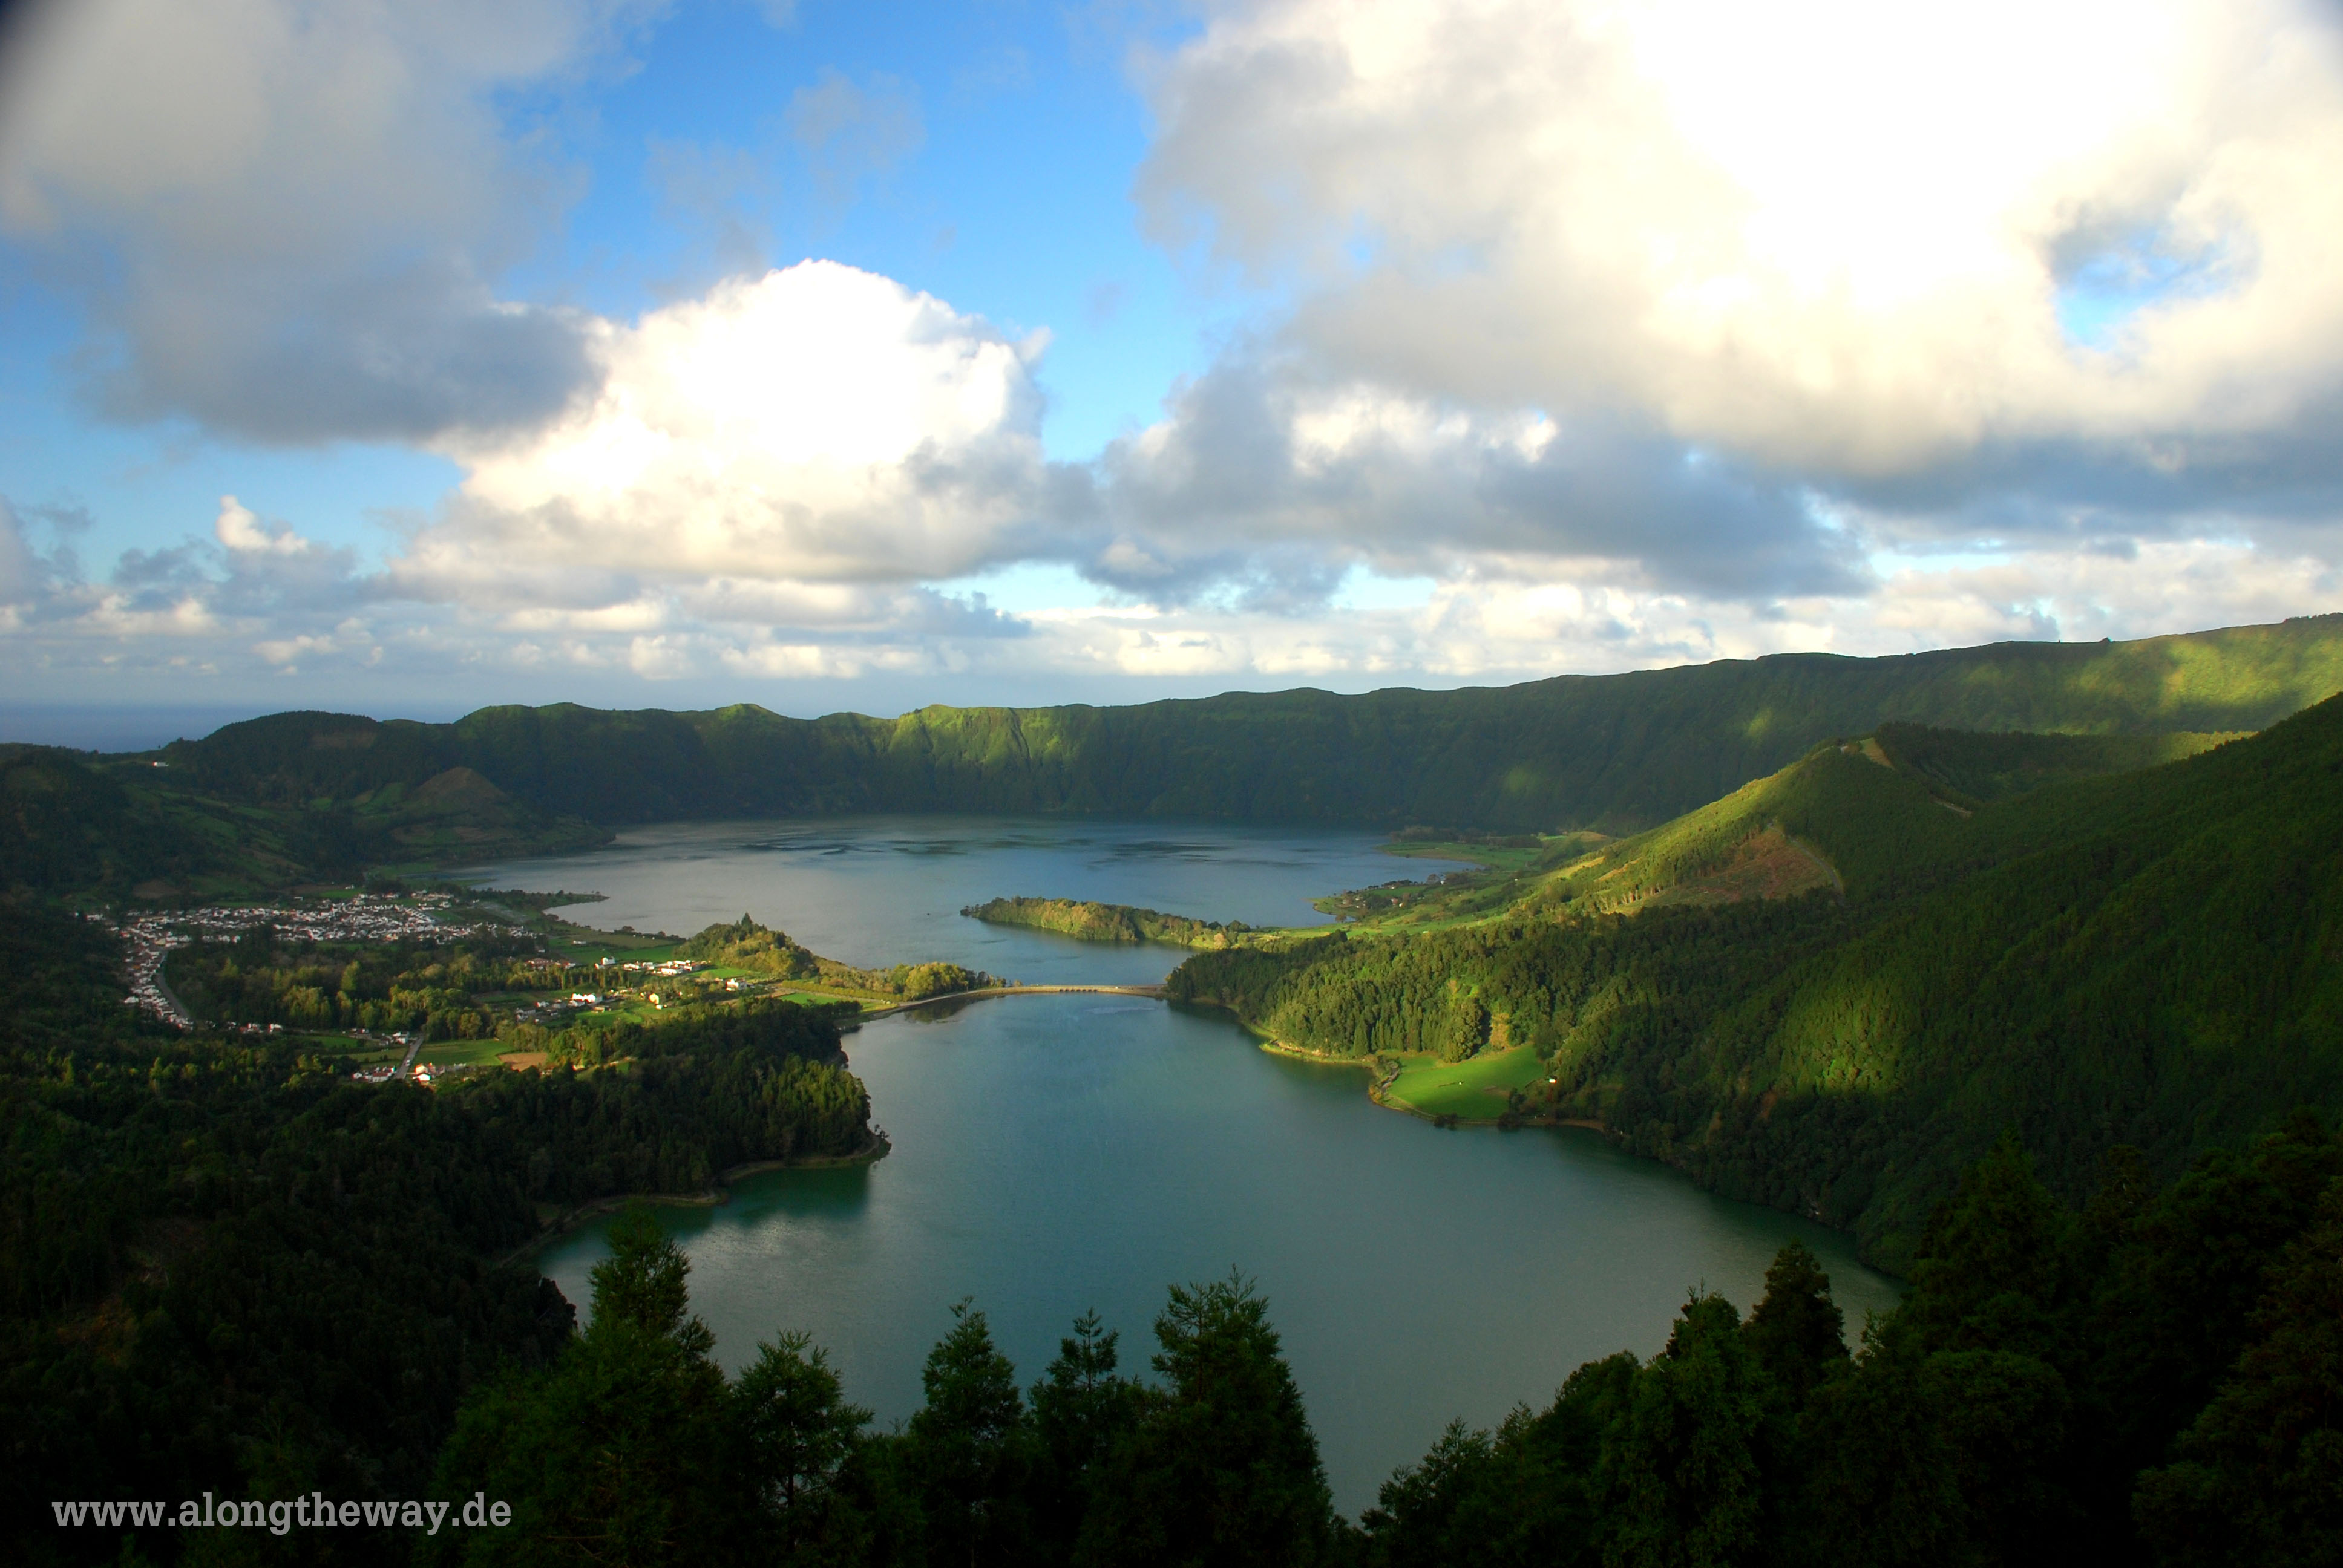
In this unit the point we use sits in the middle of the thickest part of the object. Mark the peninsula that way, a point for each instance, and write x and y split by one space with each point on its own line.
1094 922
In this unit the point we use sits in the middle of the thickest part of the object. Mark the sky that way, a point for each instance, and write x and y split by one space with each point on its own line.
406 358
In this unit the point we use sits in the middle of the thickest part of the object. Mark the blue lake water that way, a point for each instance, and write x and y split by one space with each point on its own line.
1057 1154
887 889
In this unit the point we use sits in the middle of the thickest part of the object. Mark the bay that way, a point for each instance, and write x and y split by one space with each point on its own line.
1054 1154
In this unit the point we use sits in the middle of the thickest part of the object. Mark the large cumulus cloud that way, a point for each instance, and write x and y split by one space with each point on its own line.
1822 234
818 424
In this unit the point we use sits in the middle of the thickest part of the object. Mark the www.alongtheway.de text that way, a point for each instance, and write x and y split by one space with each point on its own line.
282 1517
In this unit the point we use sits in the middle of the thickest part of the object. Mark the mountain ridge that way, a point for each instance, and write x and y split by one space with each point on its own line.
1618 752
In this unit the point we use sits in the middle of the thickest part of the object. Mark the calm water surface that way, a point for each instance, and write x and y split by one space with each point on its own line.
887 889
1057 1154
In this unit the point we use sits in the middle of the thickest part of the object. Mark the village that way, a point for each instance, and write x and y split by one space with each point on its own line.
148 938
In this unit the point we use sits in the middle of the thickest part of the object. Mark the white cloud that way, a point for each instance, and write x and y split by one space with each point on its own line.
20 569
1488 617
769 473
660 657
1499 619
818 424
2152 587
1822 233
238 529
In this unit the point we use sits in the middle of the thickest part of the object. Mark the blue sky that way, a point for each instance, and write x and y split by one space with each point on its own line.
1012 189
999 172
828 356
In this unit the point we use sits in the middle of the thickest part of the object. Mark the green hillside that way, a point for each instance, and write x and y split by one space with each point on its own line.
71 821
1620 752
2153 958
1853 816
1970 767
74 821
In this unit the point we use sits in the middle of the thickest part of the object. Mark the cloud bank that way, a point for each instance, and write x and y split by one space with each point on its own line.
1827 235
1611 336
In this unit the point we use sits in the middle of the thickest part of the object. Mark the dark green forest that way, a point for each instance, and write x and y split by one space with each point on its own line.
2146 959
228 1267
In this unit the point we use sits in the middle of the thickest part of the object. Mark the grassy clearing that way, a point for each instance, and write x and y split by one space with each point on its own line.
1496 859
344 1050
812 998
585 945
463 1053
1472 1091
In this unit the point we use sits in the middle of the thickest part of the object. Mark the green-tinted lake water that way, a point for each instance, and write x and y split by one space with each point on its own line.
1062 1152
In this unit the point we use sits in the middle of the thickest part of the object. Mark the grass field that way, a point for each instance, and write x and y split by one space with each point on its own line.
809 998
1494 856
585 945
1472 1091
462 1053
344 1051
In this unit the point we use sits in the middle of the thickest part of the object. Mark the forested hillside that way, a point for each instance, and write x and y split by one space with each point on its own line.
319 797
1618 751
2152 959
115 826
71 820
225 1266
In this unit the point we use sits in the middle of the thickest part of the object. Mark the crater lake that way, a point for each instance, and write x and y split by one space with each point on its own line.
1057 1153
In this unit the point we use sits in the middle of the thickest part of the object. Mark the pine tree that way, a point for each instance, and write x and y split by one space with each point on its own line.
966 1449
1225 1471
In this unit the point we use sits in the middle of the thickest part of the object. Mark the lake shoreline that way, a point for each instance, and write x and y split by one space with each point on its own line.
1087 1153
1377 1092
1378 1086
875 1148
